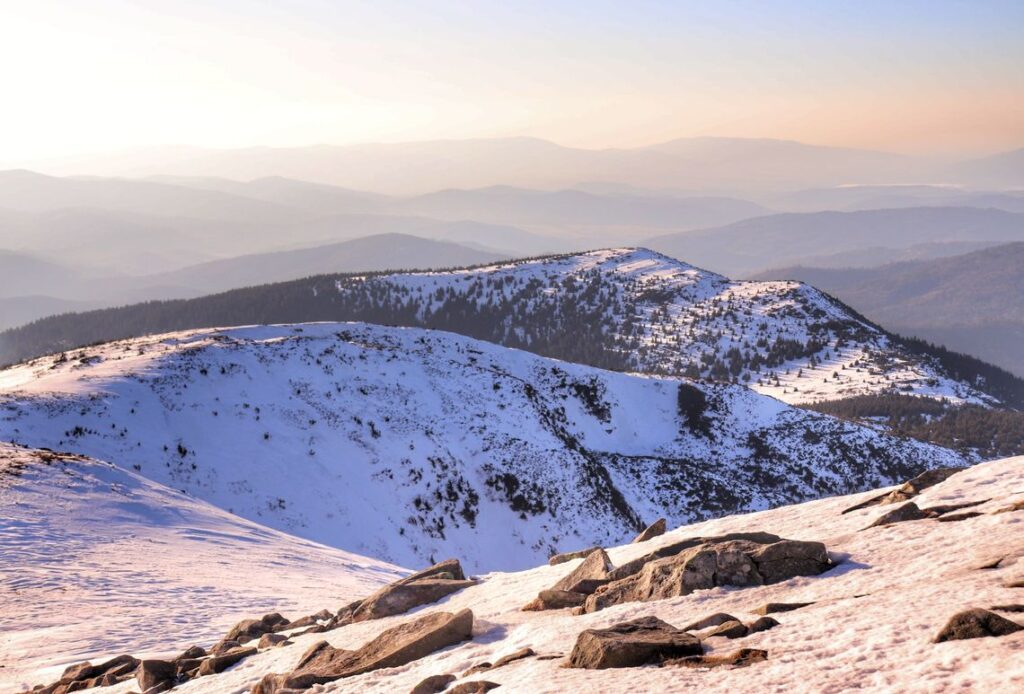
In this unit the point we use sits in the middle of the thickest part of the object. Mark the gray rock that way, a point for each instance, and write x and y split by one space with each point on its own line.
976 623
631 644
652 531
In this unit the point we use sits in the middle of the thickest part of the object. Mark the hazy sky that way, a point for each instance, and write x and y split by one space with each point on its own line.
92 75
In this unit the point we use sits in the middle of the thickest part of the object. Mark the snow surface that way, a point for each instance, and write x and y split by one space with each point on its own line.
95 560
411 445
870 628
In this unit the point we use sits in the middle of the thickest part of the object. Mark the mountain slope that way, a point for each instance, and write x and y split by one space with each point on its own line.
409 445
624 309
758 244
970 300
95 559
870 620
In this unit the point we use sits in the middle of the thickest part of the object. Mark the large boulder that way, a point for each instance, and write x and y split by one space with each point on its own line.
551 599
631 644
219 663
392 648
734 562
588 575
155 676
424 587
976 623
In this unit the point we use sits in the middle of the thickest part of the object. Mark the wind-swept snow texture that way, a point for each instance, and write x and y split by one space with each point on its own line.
96 560
634 309
412 446
870 627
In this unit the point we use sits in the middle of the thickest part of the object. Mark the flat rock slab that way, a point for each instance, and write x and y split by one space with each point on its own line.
631 644
774 607
740 658
907 512
393 647
556 559
976 623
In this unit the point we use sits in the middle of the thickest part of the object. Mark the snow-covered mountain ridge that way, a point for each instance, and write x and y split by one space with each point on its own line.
411 445
634 309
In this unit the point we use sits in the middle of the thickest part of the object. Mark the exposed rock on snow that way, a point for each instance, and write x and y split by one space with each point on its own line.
475 687
740 658
733 562
775 607
907 512
427 586
433 684
909 489
395 646
730 630
710 621
630 644
974 624
569 556
653 530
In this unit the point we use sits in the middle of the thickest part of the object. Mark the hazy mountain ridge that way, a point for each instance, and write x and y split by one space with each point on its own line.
407 444
973 302
754 245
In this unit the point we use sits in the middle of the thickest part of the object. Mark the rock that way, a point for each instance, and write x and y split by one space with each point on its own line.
512 657
976 623
187 668
948 508
192 652
223 646
906 512
1015 583
556 559
155 676
480 667
393 647
992 563
219 663
718 563
433 684
1008 608
344 615
631 644
300 622
671 550
954 517
271 641
909 489
652 531
249 629
477 687
740 658
1015 506
762 624
427 586
773 607
730 630
585 577
710 621
554 600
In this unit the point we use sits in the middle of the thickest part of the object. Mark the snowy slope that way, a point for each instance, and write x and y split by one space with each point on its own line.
870 627
97 560
412 445
647 312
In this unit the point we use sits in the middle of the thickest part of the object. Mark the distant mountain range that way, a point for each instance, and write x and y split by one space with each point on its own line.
703 163
750 246
971 303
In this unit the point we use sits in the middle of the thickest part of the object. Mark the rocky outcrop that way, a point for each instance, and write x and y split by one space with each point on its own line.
433 684
393 647
734 629
86 675
740 658
500 662
156 676
906 512
249 629
219 663
556 559
710 621
774 607
573 588
732 562
475 687
631 644
272 641
976 623
424 587
909 489
652 531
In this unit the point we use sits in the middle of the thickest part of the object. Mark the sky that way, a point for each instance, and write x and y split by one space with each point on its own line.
82 76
